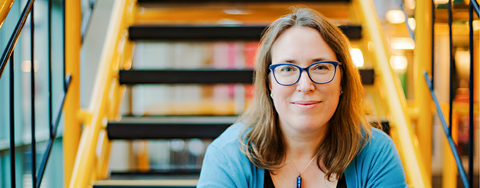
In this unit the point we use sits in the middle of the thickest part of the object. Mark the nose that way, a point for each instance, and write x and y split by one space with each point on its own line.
305 84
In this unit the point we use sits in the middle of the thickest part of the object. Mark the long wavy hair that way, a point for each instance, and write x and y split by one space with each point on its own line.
348 130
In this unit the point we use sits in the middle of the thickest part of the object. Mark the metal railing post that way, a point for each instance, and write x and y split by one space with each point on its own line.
470 97
72 44
423 51
12 121
50 93
450 176
32 93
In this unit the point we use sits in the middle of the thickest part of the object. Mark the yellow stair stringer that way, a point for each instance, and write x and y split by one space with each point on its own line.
401 126
91 162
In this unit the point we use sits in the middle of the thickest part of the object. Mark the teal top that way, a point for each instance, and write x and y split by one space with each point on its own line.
224 165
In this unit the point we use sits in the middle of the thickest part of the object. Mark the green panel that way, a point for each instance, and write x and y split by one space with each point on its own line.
3 181
402 76
54 172
5 171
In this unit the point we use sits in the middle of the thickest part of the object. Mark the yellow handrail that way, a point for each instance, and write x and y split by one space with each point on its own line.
407 143
5 7
116 51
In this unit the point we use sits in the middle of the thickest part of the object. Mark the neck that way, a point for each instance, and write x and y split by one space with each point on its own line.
301 145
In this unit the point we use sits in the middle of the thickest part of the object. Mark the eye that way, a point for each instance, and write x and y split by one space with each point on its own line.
323 66
287 68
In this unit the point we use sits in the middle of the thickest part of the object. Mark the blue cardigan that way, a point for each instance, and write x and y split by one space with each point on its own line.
225 166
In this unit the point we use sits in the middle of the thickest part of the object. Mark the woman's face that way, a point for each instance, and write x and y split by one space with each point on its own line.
304 106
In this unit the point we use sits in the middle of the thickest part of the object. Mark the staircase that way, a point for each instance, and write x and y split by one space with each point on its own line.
185 126
173 21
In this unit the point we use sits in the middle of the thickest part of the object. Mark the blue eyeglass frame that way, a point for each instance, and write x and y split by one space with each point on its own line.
334 63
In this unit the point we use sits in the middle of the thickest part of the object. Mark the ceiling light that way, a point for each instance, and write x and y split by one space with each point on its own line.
398 62
402 43
395 16
412 23
357 57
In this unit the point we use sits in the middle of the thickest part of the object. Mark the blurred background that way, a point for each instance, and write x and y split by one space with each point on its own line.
154 157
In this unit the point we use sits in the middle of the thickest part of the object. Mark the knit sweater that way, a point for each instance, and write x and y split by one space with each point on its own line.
226 166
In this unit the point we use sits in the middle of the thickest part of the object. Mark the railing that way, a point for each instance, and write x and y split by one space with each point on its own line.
402 130
116 54
467 182
8 54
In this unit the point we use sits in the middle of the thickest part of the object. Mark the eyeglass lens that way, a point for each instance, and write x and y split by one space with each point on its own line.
289 74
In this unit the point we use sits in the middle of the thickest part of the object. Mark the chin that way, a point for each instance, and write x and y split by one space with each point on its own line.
308 124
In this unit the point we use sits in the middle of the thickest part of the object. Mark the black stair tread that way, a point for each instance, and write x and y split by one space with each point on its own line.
214 32
156 173
203 76
169 127
189 174
171 183
169 120
238 1
154 176
180 127
186 76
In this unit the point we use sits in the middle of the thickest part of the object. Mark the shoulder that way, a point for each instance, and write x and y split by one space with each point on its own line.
225 165
378 146
377 164
228 145
378 140
230 137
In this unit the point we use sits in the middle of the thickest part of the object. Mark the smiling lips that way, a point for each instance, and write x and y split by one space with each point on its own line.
306 105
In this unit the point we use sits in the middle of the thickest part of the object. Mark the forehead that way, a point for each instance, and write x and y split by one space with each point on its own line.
302 44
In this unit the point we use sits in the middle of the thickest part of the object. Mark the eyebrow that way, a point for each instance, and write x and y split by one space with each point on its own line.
318 59
292 61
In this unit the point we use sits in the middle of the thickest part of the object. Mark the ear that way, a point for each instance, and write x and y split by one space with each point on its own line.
269 80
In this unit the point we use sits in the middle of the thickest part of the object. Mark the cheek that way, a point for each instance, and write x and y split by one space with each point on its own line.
276 92
331 90
281 95
336 85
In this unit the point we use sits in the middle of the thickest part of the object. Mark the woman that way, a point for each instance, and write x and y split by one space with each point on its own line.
306 126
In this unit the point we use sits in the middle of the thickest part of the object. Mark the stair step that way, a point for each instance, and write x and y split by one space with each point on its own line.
157 173
169 127
214 32
182 76
239 1
174 183
203 76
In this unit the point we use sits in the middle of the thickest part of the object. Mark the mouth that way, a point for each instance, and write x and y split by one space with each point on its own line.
306 105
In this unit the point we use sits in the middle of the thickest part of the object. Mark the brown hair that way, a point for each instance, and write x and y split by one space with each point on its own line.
263 144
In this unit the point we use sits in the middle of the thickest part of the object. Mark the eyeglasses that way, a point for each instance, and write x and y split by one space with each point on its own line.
287 74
